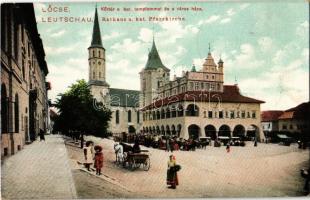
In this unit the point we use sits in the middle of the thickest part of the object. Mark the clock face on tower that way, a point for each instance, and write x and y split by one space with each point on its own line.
99 63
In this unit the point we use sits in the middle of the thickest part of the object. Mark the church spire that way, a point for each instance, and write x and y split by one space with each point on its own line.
96 38
154 61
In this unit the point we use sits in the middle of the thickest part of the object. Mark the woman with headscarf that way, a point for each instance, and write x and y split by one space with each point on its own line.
172 176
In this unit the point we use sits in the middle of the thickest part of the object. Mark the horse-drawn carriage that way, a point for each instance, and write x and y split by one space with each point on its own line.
127 157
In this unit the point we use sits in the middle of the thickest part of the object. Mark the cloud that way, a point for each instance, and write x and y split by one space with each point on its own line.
112 35
243 6
246 59
303 29
145 34
265 44
211 19
225 20
58 34
230 12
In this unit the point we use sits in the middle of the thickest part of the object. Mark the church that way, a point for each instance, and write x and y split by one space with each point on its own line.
195 105
123 103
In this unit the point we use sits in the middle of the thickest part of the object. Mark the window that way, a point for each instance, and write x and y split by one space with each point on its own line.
232 114
253 114
196 86
238 114
94 75
117 117
204 114
99 54
213 77
284 126
243 114
209 114
221 114
202 86
16 114
207 76
99 74
93 53
138 117
248 115
291 126
226 114
212 86
207 86
129 115
191 86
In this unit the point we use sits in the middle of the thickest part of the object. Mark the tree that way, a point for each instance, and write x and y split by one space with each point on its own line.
78 113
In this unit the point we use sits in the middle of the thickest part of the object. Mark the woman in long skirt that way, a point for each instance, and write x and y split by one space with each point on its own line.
172 176
88 155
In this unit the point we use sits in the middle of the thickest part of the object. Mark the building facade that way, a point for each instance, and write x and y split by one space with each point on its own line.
270 120
197 104
123 103
24 104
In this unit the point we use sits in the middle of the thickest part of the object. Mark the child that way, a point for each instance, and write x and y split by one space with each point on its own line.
98 159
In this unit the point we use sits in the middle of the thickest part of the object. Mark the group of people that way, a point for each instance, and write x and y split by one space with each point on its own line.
92 157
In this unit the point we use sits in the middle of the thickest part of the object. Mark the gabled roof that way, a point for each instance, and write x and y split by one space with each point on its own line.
271 115
230 94
96 38
124 98
154 61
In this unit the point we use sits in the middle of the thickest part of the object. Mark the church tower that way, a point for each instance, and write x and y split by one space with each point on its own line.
153 76
97 68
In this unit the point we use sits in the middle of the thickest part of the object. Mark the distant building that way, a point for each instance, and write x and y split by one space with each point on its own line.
295 120
197 104
270 120
24 104
123 103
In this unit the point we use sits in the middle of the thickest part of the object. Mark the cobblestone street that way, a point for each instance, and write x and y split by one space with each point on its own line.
40 171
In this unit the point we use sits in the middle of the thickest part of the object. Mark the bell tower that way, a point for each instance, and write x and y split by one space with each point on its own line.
97 68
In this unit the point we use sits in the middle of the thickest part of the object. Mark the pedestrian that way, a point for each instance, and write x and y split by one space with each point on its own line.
41 134
255 143
172 176
227 147
98 160
88 154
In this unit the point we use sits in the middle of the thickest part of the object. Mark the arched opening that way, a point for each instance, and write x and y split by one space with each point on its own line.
168 130
150 129
131 129
154 130
157 130
210 131
129 115
117 116
173 130
239 131
147 130
4 110
179 128
157 114
154 114
162 130
173 112
16 113
224 130
168 113
180 111
252 132
193 131
192 110
162 114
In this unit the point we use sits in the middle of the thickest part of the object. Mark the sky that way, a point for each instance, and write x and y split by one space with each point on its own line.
264 45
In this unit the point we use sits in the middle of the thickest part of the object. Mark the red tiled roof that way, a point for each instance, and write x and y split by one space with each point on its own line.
299 112
287 115
271 115
230 94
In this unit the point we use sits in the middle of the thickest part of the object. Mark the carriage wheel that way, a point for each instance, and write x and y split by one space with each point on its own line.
147 164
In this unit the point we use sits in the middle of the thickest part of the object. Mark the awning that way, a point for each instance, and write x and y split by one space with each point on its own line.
283 136
223 137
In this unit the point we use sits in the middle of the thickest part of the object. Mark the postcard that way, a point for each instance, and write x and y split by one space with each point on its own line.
176 99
